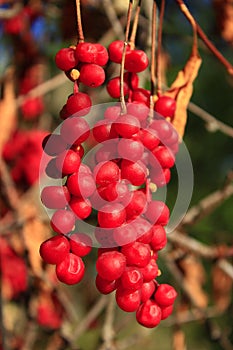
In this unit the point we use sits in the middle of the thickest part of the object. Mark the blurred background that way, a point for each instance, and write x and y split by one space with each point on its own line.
37 311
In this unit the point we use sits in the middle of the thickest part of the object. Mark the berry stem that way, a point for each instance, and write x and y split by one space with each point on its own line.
158 51
76 87
135 26
79 22
122 97
205 39
152 72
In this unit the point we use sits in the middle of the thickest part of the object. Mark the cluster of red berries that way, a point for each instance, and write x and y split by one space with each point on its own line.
136 61
134 155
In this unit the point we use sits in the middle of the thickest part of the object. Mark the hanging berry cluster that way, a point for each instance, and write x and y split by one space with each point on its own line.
136 151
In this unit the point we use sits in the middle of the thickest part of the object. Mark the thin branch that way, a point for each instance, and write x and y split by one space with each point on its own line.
213 123
226 267
153 41
9 190
108 333
135 26
79 22
158 51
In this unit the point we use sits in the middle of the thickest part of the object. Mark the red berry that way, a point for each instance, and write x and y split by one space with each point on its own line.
166 311
55 249
159 238
165 106
137 254
71 269
112 112
68 162
92 75
157 212
81 207
52 171
106 172
150 271
124 234
147 290
130 149
137 204
126 125
149 138
81 184
104 130
164 156
136 61
138 110
143 230
113 87
62 221
80 244
115 191
160 176
65 59
111 215
115 50
110 265
135 172
149 314
128 301
141 95
131 278
78 103
165 295
53 144
91 53
102 57
55 197
104 286
75 130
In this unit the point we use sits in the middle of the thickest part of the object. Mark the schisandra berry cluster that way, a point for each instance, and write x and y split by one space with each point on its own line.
134 156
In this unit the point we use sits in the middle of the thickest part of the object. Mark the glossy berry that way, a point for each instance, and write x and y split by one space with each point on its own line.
110 265
136 61
164 156
165 295
81 184
106 172
166 312
115 191
149 314
126 125
91 53
157 212
149 138
160 176
65 59
62 221
112 112
80 244
127 300
80 207
125 234
92 75
75 130
130 149
71 269
143 230
111 215
115 50
78 103
159 238
55 197
141 95
104 130
137 254
104 286
138 110
165 106
68 162
55 249
150 271
113 88
134 172
53 144
131 278
147 290
137 204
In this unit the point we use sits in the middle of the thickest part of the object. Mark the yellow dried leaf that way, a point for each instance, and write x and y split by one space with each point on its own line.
222 288
181 90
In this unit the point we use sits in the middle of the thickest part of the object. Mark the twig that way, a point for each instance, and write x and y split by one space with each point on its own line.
87 320
226 267
79 22
108 333
158 51
31 335
8 186
153 40
135 26
213 123
113 19
207 205
208 43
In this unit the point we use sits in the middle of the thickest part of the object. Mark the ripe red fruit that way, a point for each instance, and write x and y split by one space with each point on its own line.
130 149
111 215
126 125
110 265
124 234
78 103
165 295
127 300
143 230
91 53
75 130
166 311
113 88
68 162
160 176
137 254
141 95
55 249
65 59
149 314
104 130
149 138
81 184
159 238
80 244
138 110
32 108
150 271
102 57
52 171
106 172
104 286
131 278
165 106
147 290
92 75
163 128
62 221
71 269
157 212
136 61
112 112
104 236
115 191
115 50
53 144
164 156
137 204
55 197
81 207
134 172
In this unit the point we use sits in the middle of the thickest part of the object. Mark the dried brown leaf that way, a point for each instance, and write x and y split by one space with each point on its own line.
222 288
181 90
7 109
179 340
